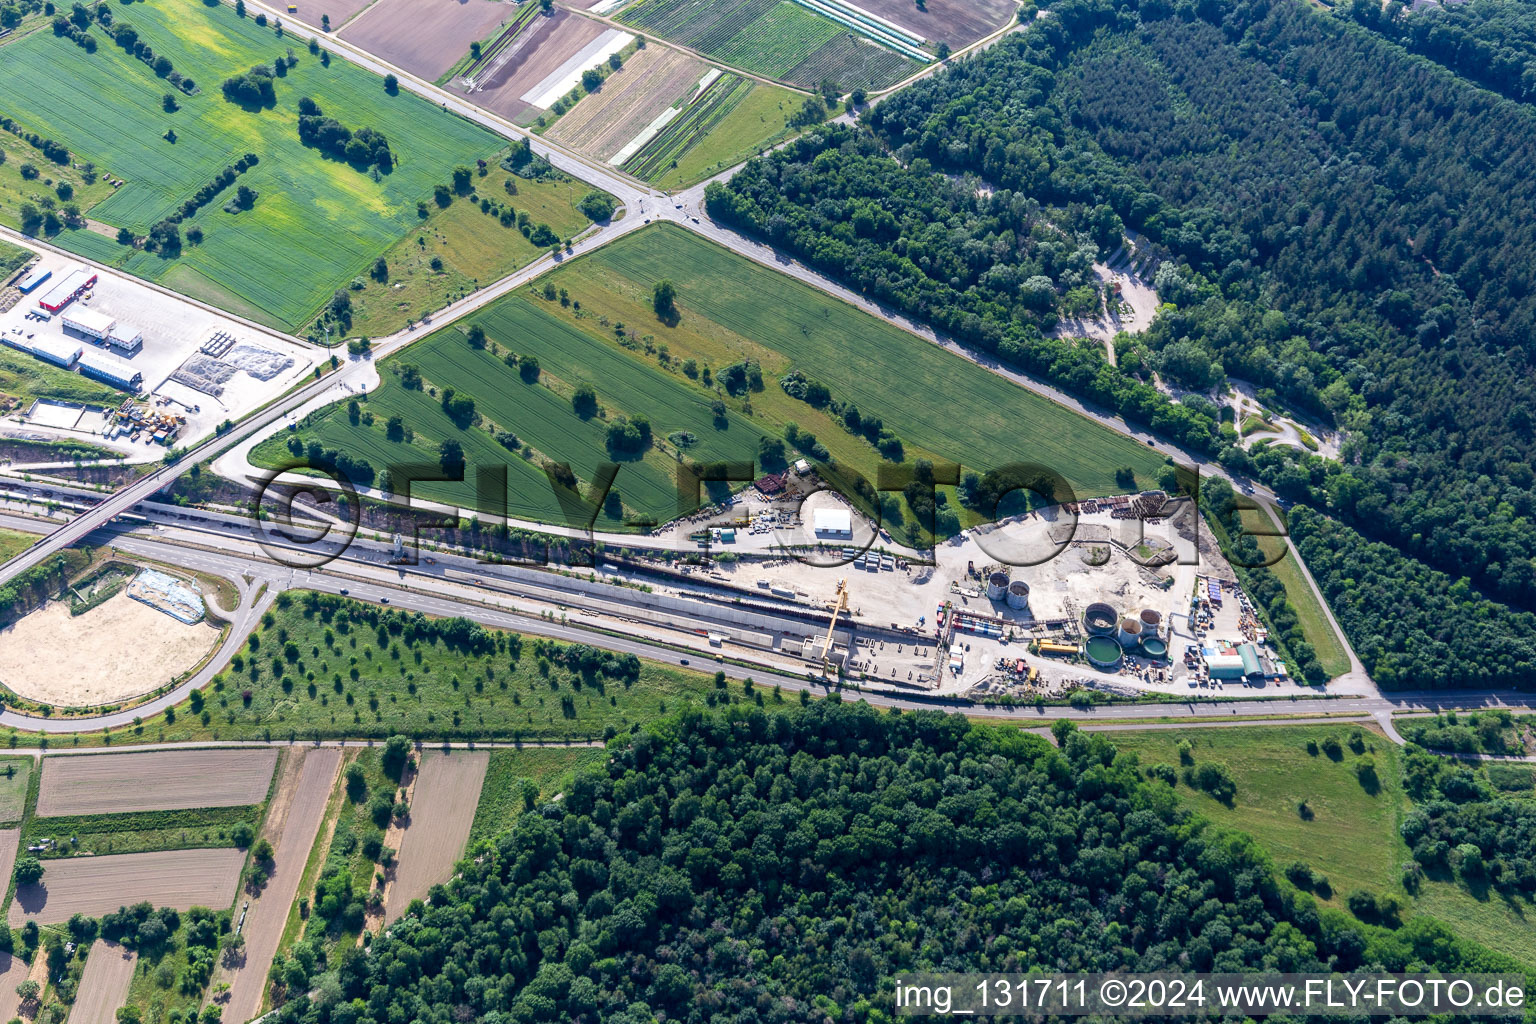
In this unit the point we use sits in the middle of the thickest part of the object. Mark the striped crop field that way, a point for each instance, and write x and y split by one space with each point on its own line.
316 223
774 38
684 132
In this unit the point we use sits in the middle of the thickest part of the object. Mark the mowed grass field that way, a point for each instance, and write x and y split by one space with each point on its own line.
731 309
317 222
1309 610
472 246
1353 837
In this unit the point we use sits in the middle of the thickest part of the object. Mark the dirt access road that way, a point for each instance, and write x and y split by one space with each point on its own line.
296 813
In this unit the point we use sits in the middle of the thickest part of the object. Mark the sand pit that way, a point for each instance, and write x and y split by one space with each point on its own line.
161 781
104 985
117 650
94 886
442 810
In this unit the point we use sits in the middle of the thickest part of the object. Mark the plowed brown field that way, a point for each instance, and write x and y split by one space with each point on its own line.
94 886
104 985
442 811
161 781
632 97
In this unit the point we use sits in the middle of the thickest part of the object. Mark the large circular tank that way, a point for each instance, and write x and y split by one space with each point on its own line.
1102 651
1018 594
997 585
1151 622
1099 619
1130 631
1154 648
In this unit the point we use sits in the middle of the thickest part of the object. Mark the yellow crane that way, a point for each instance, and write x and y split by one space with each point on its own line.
838 607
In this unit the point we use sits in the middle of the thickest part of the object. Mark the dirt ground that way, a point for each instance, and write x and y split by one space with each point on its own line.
302 809
425 37
117 650
161 781
98 885
13 971
956 22
632 97
443 806
551 42
312 12
104 985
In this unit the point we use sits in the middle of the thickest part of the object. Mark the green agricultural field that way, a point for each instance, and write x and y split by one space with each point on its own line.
471 246
142 831
357 688
779 40
545 770
14 771
1352 837
938 403
731 310
698 144
12 258
316 223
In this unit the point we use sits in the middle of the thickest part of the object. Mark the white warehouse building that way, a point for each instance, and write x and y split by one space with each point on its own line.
833 522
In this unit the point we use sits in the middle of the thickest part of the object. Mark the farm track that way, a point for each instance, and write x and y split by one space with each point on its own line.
268 914
172 780
94 886
104 985
443 803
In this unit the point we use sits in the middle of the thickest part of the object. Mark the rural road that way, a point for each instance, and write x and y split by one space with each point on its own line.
642 205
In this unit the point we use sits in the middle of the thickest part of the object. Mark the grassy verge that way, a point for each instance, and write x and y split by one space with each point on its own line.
1308 607
142 831
547 771
15 776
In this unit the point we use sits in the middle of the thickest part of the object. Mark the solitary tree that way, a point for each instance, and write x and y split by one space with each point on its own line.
663 299
29 871
391 84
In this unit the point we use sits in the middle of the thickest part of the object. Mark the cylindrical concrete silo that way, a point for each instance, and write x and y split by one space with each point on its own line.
1130 632
1099 619
1151 622
1018 594
997 585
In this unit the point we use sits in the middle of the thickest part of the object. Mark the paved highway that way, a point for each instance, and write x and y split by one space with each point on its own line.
268 579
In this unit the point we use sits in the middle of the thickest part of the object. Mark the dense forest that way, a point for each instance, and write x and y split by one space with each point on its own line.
742 867
1492 42
1340 221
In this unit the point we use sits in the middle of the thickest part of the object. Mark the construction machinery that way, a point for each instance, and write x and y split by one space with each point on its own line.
838 608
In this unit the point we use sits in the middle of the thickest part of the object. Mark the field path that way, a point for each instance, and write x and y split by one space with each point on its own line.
104 985
303 807
443 803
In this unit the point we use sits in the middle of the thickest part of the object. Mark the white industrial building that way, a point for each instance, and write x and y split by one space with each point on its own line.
88 322
123 338
58 351
833 522
109 369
